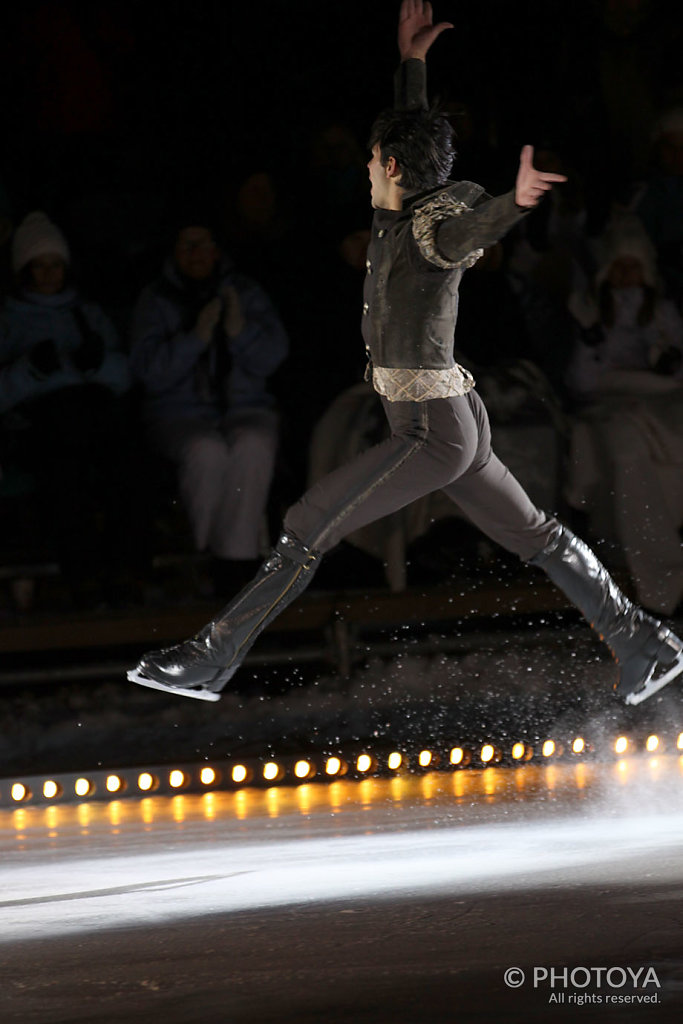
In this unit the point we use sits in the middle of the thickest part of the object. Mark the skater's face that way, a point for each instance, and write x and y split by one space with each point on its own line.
626 272
47 274
196 253
384 190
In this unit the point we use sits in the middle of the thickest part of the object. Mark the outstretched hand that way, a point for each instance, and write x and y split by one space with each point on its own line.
416 33
531 184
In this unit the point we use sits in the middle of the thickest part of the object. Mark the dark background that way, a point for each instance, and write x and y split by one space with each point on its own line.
195 95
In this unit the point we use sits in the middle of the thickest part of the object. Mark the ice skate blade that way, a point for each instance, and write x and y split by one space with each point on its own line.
652 686
137 677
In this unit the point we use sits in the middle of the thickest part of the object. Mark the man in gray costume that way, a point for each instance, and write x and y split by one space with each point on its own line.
426 231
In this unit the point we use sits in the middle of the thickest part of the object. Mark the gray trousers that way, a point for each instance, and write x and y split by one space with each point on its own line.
443 444
225 470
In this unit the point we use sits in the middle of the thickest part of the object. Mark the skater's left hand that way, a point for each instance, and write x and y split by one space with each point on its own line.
233 320
531 184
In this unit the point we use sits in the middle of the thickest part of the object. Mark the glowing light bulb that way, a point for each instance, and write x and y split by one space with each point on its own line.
652 743
177 778
82 787
302 769
50 789
239 773
518 751
621 745
394 761
548 748
271 770
487 753
579 745
114 783
19 792
207 776
145 781
457 755
364 763
333 766
679 741
425 758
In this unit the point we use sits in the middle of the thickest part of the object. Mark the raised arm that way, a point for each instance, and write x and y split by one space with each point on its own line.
460 235
416 33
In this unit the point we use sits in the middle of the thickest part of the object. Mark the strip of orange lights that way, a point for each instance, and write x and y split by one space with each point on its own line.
236 774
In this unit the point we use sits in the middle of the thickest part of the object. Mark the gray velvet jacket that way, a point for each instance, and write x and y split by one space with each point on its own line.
416 258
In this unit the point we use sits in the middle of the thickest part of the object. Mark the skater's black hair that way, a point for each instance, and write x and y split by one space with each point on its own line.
421 142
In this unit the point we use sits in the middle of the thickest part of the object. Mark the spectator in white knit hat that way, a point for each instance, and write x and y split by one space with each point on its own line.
38 237
52 338
63 376
626 466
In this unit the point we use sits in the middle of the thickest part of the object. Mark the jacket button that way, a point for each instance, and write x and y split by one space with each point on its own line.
366 307
381 233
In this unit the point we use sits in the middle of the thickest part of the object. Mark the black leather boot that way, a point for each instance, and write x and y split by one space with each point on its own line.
648 654
200 667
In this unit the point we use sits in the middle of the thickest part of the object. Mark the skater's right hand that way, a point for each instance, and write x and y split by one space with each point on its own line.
415 30
208 318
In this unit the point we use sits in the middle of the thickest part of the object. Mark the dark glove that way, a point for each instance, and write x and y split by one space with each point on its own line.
89 355
44 357
669 362
593 336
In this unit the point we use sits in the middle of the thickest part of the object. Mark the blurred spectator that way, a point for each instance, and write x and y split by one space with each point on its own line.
258 225
660 206
336 182
490 325
205 339
614 65
6 227
630 78
5 216
543 253
626 468
331 195
62 378
551 238
477 158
